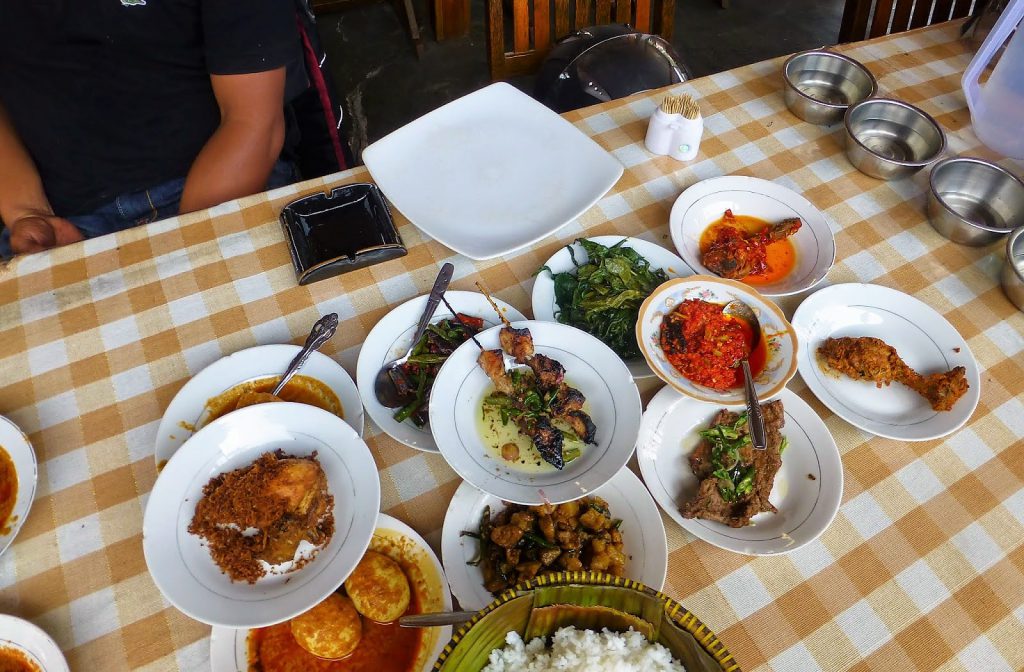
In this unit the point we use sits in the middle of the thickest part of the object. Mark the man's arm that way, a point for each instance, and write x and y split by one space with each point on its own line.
237 159
24 208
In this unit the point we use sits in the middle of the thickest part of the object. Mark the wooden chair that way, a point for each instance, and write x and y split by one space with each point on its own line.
536 24
864 19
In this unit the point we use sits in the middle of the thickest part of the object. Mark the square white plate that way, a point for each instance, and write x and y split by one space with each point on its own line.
491 172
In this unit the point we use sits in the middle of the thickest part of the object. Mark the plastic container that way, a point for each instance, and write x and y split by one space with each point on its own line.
996 107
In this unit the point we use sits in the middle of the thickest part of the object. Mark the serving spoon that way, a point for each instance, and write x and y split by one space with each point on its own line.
386 384
435 619
321 332
755 418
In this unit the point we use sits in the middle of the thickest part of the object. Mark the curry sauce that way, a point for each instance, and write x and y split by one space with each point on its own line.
300 389
384 647
8 495
13 660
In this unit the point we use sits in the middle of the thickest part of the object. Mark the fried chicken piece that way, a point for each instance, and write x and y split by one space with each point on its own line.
874 360
581 424
549 372
516 342
493 365
735 255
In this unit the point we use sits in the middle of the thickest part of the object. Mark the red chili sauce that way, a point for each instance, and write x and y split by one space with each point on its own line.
384 647
706 346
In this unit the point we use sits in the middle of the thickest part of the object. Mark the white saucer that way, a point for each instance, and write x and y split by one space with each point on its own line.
31 640
924 339
392 336
229 647
545 307
808 487
643 536
183 415
17 445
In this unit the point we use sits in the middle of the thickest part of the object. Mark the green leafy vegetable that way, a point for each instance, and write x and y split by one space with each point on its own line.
603 296
734 480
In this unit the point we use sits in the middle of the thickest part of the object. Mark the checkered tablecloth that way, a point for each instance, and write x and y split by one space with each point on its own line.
923 568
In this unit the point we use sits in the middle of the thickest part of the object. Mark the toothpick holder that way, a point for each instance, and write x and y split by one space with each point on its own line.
674 135
686 134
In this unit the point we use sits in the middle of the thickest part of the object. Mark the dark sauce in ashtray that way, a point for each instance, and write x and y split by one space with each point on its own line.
342 230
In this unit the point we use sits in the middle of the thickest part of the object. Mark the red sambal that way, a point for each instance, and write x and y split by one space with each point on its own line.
706 345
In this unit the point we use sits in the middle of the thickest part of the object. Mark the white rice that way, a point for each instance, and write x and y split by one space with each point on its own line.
575 650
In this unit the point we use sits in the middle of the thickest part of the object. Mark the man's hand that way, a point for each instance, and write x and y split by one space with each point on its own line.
35 233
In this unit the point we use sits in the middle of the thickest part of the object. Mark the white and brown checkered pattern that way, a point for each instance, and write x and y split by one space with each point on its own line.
923 568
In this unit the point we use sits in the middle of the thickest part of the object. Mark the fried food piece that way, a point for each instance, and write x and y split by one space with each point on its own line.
379 588
516 342
874 360
709 503
332 629
284 498
734 254
549 372
493 365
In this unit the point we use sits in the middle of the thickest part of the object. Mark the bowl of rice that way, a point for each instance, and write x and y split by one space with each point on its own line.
584 622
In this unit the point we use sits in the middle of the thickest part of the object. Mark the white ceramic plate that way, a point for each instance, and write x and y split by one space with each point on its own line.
806 505
180 563
491 172
705 202
643 536
17 445
189 404
924 339
229 647
545 308
30 639
780 337
392 336
590 366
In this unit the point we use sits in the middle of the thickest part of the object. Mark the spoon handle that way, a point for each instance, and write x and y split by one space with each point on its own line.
318 335
432 620
755 419
444 277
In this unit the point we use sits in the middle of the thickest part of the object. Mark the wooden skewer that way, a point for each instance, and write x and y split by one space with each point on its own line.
493 304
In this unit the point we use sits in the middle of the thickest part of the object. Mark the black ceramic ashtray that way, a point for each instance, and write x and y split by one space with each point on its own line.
347 229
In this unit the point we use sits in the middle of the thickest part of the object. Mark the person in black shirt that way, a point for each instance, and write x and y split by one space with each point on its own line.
115 113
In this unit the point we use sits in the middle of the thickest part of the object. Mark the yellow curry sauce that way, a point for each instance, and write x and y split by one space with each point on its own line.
301 389
8 495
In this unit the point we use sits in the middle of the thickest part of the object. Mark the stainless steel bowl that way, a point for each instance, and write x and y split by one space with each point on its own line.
974 202
820 85
1013 268
890 139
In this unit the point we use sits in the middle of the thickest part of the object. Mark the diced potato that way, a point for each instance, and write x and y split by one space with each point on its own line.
523 520
547 527
506 536
549 555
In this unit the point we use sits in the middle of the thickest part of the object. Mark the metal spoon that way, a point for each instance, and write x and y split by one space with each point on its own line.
755 418
435 619
385 387
318 335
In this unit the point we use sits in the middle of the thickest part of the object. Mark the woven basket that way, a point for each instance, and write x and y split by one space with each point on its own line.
586 600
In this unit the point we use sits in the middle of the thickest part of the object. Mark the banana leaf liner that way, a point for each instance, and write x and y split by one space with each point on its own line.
586 600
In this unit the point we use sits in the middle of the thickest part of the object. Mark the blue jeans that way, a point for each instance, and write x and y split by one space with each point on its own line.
143 207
